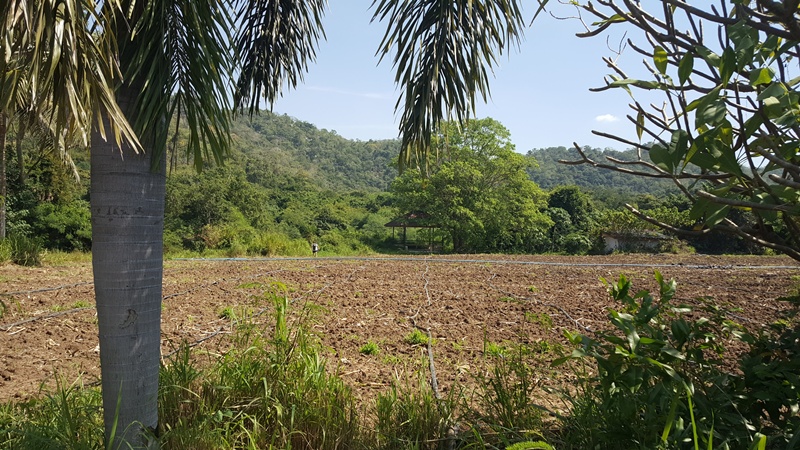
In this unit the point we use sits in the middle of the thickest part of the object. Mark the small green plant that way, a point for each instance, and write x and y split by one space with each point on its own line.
530 445
370 348
508 299
542 319
416 337
494 349
227 313
533 289
81 304
391 359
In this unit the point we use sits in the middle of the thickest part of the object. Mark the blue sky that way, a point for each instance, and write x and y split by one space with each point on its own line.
540 92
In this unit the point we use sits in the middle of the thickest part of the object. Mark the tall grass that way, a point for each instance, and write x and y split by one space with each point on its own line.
271 389
69 419
22 250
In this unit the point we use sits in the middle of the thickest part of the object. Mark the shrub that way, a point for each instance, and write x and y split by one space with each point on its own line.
22 250
658 381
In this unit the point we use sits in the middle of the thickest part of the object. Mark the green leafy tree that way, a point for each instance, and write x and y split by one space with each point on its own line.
477 189
571 231
727 134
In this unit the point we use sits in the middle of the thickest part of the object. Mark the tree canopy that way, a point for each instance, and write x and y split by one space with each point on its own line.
477 189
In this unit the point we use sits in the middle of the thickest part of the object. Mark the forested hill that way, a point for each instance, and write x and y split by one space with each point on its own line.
288 148
551 173
292 148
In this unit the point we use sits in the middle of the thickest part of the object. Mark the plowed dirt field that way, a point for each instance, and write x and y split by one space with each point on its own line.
48 325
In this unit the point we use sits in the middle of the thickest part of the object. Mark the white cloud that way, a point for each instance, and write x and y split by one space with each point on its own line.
607 118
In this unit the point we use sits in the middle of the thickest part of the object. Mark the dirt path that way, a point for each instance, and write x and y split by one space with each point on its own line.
48 327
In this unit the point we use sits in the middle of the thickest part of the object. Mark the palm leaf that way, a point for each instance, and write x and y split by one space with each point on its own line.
443 53
277 40
52 48
183 74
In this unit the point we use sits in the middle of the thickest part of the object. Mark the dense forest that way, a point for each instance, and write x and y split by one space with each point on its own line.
287 183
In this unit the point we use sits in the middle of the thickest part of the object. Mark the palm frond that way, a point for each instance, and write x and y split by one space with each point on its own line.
180 58
52 49
276 41
443 53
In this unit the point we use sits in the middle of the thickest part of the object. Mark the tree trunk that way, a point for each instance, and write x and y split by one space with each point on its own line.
3 184
20 157
127 202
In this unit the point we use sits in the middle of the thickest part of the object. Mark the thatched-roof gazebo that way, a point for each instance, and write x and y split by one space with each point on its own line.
416 219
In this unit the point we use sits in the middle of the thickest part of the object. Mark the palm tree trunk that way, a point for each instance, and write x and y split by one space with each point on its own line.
3 184
127 202
20 157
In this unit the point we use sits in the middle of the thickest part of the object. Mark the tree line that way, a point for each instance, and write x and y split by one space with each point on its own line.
287 184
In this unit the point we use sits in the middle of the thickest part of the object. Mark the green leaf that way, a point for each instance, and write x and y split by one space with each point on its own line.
647 85
685 68
712 113
660 157
714 213
752 125
772 106
673 352
668 158
616 18
660 59
710 57
761 76
776 90
640 125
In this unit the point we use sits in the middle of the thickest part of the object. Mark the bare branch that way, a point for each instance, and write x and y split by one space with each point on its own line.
646 218
744 203
664 175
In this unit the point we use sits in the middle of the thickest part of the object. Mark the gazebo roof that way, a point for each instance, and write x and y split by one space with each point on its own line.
416 219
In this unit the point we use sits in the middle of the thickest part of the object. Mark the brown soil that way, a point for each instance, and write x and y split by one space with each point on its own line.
48 325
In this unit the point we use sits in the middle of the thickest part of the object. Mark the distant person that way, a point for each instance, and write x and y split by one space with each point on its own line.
314 248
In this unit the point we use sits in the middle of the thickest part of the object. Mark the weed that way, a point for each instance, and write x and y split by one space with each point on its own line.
542 319
459 346
494 349
505 397
547 347
416 337
23 250
271 390
70 419
533 289
370 348
508 299
81 304
391 359
409 416
227 313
